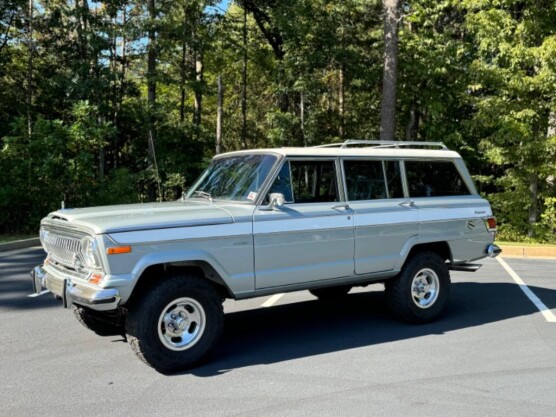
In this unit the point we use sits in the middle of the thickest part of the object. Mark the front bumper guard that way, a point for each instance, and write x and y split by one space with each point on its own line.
72 292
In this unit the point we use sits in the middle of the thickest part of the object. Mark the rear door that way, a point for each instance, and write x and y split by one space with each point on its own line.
385 221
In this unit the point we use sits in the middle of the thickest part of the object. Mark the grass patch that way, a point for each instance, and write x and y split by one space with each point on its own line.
12 238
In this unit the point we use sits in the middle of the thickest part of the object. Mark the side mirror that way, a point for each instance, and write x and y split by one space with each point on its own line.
277 200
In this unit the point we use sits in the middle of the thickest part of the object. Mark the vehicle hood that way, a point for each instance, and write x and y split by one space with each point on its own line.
146 216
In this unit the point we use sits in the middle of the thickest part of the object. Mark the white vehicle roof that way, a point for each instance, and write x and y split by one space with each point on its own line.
382 149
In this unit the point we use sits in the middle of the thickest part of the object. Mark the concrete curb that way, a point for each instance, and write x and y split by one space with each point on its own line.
20 244
529 251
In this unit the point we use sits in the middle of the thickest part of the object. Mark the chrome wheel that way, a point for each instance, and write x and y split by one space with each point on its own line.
181 324
424 288
418 294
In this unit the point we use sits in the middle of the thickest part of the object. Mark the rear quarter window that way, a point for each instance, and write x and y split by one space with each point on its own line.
434 179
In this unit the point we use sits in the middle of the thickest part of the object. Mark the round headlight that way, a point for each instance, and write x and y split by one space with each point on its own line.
89 253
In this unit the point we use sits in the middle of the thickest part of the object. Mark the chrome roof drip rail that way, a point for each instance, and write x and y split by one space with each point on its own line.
383 144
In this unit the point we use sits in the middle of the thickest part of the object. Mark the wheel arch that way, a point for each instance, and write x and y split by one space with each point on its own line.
441 248
156 272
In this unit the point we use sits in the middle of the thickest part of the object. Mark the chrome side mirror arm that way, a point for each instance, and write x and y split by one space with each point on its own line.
277 200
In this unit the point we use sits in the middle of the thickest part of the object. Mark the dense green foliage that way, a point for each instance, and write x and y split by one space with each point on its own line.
75 120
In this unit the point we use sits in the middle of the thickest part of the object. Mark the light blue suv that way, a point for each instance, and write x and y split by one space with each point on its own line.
260 222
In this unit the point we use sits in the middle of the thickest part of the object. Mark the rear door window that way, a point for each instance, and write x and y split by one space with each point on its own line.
372 179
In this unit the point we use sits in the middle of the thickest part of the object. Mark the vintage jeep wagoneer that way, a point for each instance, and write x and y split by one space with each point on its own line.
267 221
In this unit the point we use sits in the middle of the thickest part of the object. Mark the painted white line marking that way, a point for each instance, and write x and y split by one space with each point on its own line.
545 311
41 293
272 300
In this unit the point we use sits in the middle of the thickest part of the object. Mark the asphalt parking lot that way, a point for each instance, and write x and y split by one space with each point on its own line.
493 353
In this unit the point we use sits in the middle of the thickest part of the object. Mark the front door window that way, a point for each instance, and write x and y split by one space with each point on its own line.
307 182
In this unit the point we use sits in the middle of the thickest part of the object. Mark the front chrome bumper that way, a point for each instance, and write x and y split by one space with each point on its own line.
72 292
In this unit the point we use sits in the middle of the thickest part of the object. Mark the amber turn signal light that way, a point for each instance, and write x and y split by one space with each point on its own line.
117 250
96 278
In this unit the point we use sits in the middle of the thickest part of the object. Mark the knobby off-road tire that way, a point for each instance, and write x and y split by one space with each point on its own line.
418 294
175 324
102 324
331 293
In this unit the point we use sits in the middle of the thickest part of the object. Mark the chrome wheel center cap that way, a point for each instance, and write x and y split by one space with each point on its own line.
420 287
176 324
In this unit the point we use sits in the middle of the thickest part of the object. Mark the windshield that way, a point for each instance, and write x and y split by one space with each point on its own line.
237 178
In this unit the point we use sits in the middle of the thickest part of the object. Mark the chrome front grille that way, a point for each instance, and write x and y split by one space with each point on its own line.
62 249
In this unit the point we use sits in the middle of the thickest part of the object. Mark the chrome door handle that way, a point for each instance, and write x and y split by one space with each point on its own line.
408 204
341 206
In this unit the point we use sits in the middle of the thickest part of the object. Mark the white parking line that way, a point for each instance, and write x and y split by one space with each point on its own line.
272 300
37 294
545 311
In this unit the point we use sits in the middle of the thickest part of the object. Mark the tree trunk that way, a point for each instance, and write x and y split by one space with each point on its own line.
283 97
244 84
413 123
219 111
341 103
114 65
534 208
183 79
551 131
151 89
184 61
388 105
31 50
151 57
274 38
199 68
82 11
121 88
302 117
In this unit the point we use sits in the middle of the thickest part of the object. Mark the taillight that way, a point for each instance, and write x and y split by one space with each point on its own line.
491 224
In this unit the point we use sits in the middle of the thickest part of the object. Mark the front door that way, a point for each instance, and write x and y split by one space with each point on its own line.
310 237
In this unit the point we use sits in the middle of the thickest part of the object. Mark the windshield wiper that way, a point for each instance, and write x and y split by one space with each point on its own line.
203 194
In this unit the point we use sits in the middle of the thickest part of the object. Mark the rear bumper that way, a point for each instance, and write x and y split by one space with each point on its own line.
72 292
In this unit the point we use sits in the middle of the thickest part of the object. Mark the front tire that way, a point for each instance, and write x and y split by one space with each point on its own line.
418 294
103 324
175 324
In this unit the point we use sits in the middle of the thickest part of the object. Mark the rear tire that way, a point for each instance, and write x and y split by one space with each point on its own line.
331 293
418 294
175 324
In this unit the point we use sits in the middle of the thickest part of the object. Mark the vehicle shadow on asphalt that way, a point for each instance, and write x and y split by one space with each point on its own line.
297 330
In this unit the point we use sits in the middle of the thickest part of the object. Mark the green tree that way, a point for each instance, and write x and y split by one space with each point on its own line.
514 93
